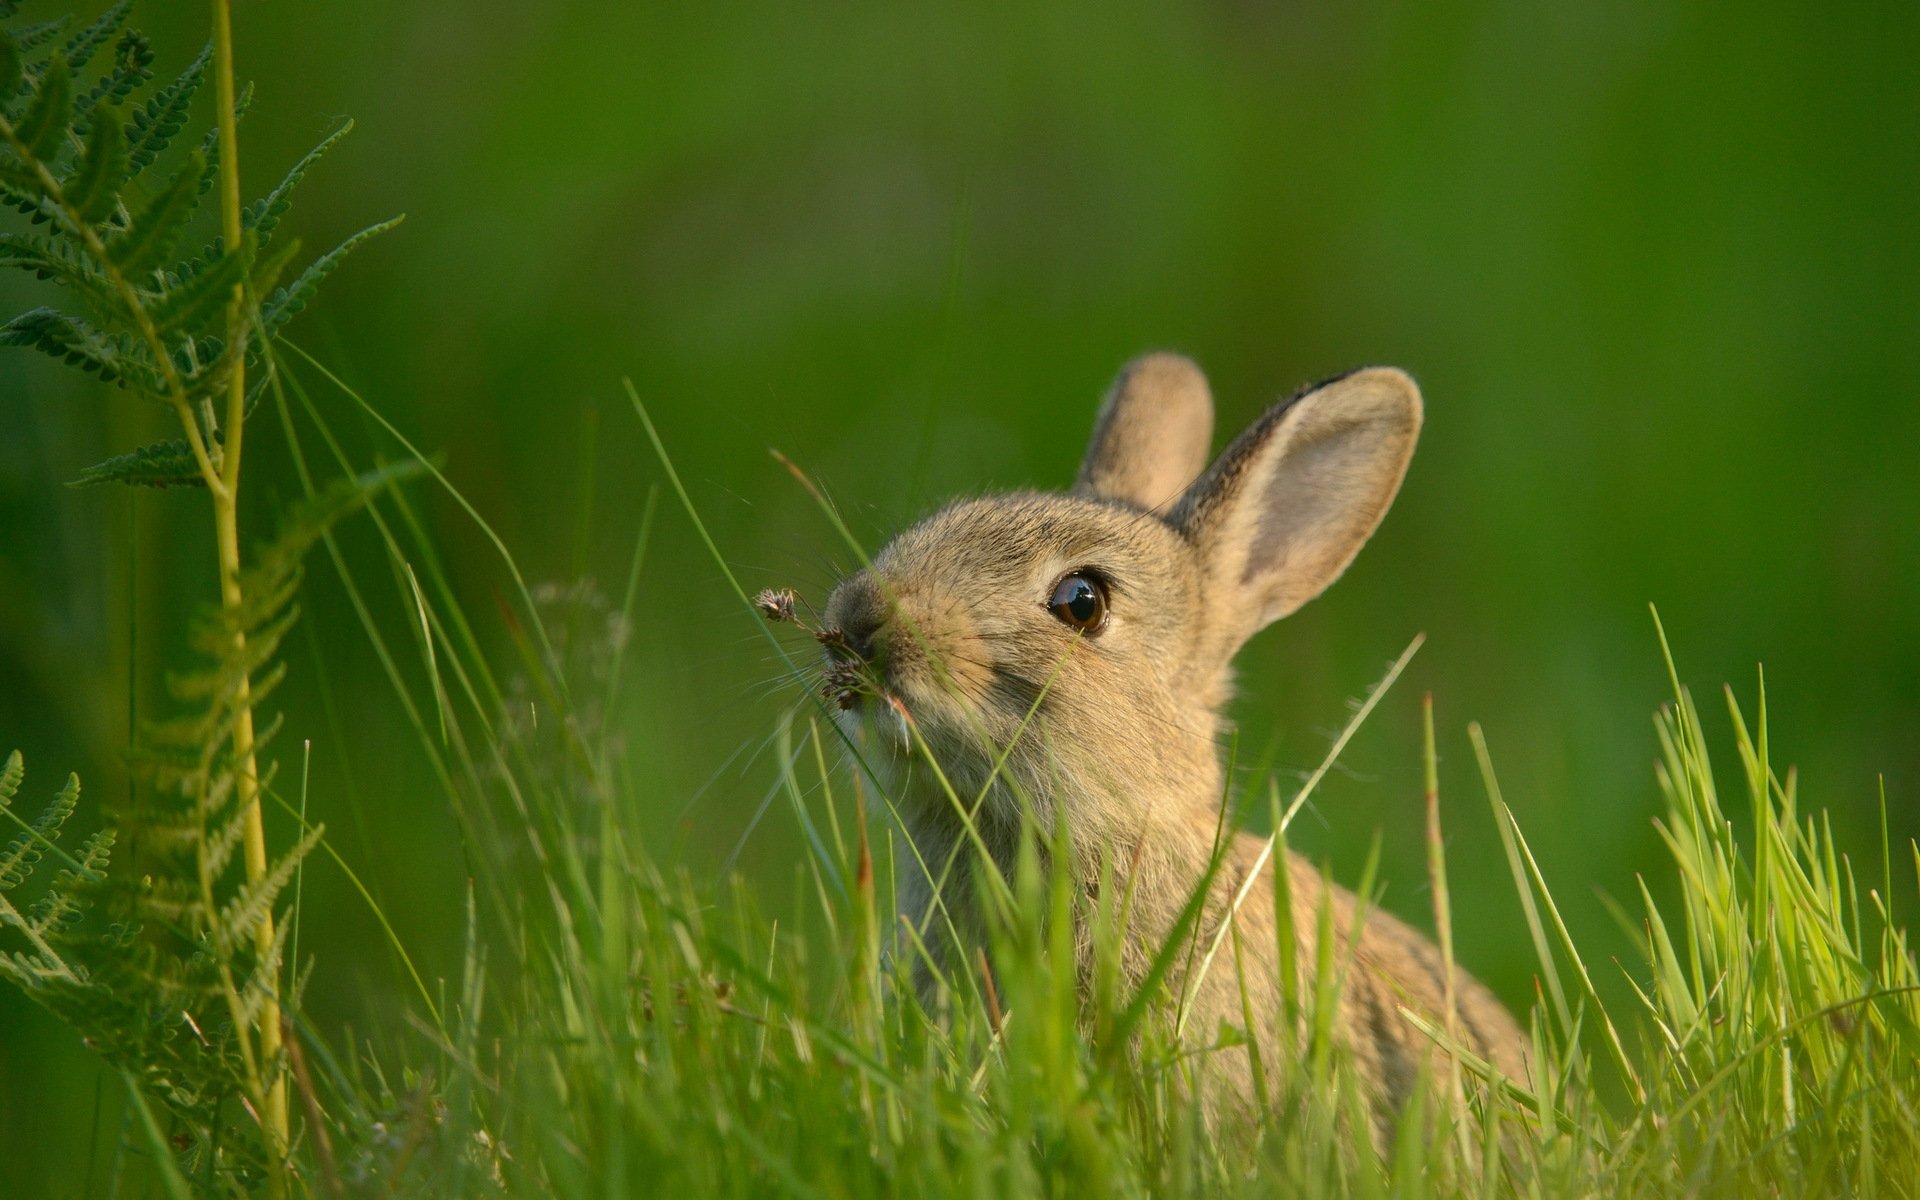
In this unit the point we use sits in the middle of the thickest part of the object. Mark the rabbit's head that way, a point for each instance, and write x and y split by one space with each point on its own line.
1076 647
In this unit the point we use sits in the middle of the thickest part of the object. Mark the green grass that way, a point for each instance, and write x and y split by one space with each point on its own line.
620 1029
623 1030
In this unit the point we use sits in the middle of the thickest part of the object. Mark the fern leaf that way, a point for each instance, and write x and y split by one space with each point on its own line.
95 183
44 32
288 301
220 682
51 912
20 189
40 34
234 924
53 258
95 854
11 776
154 127
77 342
20 971
210 144
306 522
45 122
263 278
263 215
162 465
189 302
132 67
267 271
152 234
219 844
170 900
24 850
79 52
9 66
196 356
264 980
223 840
31 972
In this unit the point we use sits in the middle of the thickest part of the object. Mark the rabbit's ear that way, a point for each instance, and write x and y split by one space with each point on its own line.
1152 435
1293 499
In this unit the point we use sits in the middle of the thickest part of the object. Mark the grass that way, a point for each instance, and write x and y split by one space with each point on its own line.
620 1030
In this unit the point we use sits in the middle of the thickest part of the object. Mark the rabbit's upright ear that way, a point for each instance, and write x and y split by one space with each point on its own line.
1293 499
1152 435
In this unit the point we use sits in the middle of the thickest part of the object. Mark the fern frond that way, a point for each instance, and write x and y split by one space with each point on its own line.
52 913
75 341
94 186
263 215
95 855
190 301
263 980
24 850
58 906
58 258
210 142
154 126
195 759
311 519
132 68
45 122
222 840
153 233
197 359
175 751
34 36
288 301
222 678
31 971
175 984
173 902
234 924
162 465
10 71
268 269
80 51
20 189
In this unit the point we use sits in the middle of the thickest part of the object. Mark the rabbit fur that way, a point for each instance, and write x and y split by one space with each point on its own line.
952 622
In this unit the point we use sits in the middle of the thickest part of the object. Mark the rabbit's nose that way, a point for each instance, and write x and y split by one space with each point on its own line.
858 612
859 639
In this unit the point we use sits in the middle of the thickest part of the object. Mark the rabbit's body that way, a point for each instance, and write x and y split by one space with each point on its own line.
1064 658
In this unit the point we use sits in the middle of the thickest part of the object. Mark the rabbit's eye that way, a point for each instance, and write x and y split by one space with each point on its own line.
1080 601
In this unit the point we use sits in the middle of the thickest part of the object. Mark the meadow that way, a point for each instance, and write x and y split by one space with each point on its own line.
579 894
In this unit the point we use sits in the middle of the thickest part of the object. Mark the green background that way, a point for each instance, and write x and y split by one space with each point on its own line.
1655 265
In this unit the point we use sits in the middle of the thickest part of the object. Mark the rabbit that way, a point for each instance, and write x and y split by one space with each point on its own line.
1110 616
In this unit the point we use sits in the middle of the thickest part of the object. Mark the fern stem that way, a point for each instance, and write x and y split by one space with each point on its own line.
231 233
227 533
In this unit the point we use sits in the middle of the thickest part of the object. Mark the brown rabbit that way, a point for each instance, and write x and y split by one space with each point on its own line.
1111 615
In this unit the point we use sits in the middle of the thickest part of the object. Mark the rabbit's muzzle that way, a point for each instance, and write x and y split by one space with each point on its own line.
857 614
908 642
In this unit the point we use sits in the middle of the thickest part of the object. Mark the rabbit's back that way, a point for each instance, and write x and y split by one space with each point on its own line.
1383 966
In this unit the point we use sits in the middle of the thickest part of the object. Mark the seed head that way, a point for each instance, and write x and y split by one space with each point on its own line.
776 605
843 684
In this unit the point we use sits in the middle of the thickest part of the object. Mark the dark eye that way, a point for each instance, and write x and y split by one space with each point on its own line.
1080 601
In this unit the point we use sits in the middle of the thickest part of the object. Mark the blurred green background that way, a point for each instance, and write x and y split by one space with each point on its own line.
1656 266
